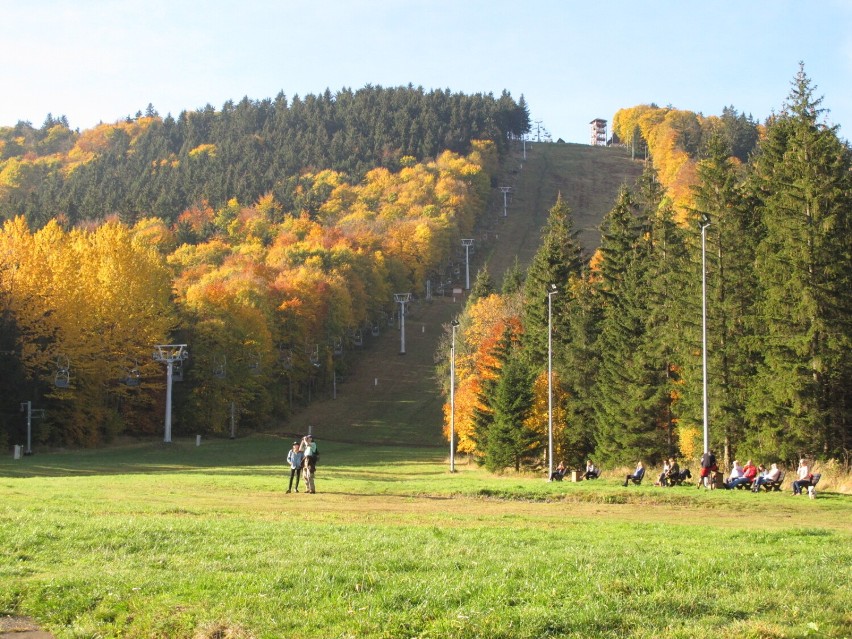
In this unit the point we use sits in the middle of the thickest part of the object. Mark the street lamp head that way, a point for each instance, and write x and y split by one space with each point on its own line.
454 323
705 220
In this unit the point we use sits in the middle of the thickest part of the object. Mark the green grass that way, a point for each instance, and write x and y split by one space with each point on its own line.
185 541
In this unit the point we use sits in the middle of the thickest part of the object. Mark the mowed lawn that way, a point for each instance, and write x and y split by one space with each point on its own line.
158 540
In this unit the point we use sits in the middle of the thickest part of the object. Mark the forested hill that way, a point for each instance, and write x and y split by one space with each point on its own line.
154 166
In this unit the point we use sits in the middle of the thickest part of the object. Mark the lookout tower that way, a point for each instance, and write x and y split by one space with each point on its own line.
598 131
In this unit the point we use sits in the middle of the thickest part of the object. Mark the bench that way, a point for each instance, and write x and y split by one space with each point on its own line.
678 478
774 485
812 488
636 478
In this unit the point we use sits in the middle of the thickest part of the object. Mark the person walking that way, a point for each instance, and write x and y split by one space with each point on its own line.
294 458
309 449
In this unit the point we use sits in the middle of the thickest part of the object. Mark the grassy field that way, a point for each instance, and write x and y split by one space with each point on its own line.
184 541
178 541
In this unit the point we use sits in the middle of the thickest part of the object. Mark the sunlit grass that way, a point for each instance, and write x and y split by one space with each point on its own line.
179 541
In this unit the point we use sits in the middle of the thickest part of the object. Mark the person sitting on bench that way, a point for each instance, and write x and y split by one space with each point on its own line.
637 475
738 476
592 471
767 477
559 473
803 477
672 474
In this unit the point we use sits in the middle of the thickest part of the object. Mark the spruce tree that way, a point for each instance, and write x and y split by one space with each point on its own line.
509 441
802 184
483 285
729 249
558 258
513 279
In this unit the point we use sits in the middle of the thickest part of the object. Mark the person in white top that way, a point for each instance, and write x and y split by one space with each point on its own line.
767 477
803 477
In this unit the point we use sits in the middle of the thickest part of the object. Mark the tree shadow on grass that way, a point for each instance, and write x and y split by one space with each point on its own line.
258 455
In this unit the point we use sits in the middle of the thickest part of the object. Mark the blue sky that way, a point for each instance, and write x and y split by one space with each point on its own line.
101 60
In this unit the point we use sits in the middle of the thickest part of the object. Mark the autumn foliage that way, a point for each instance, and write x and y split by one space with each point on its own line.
264 297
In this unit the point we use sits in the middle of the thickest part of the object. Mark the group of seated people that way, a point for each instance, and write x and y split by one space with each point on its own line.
591 472
748 476
751 476
672 475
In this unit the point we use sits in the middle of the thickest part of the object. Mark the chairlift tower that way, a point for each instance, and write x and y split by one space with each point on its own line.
32 413
402 299
467 244
170 354
505 190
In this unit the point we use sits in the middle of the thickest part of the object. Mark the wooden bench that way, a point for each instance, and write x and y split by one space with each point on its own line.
774 485
636 478
678 478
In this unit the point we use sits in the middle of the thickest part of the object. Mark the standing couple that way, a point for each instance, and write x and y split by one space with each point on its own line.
303 461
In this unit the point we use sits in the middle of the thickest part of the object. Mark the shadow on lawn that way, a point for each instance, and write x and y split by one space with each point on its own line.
257 455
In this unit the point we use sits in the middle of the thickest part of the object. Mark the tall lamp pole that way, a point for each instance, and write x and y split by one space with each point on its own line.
402 299
454 324
705 222
550 295
467 244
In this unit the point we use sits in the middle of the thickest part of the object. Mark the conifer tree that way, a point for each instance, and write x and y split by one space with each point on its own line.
558 258
802 183
513 279
483 285
510 442
730 294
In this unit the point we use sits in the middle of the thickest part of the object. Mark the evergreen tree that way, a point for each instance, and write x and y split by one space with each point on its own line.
802 183
483 285
730 298
509 441
557 259
513 279
627 397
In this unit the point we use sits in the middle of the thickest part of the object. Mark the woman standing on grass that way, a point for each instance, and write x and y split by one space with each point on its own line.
294 458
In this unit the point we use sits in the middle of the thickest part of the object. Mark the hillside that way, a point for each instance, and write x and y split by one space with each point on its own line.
393 399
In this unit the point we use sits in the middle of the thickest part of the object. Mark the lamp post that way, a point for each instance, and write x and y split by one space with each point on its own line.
169 354
550 295
454 324
402 299
704 223
467 244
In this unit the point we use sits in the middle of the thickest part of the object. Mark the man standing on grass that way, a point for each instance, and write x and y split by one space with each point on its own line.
708 468
309 449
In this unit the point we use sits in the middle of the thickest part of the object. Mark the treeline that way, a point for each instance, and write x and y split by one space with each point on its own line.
153 166
677 139
271 302
627 324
